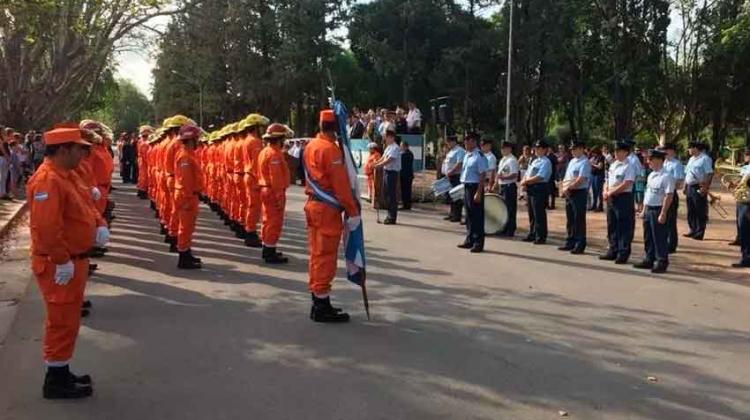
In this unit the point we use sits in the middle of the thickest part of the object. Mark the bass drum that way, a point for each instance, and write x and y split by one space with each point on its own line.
495 214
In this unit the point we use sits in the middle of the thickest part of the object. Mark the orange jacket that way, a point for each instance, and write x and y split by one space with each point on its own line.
235 154
251 148
77 176
173 146
273 171
371 161
101 165
61 221
188 177
324 163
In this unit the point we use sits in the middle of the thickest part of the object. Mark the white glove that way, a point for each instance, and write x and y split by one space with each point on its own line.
64 272
102 236
95 193
353 222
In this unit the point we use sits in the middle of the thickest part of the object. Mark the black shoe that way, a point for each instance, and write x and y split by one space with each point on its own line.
173 247
322 311
240 233
645 265
389 222
163 230
86 304
565 248
85 313
608 257
734 243
476 249
578 251
660 267
540 242
270 256
168 239
452 220
59 383
193 257
698 238
741 264
465 245
186 263
688 235
528 239
621 260
448 218
463 223
252 240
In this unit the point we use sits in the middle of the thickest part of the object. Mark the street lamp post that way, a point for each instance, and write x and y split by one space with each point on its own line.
200 93
510 61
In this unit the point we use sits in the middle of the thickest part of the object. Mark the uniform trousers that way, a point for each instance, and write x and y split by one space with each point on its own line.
406 183
620 219
537 196
509 192
655 236
575 212
743 219
324 228
456 205
672 236
697 206
474 216
187 215
391 198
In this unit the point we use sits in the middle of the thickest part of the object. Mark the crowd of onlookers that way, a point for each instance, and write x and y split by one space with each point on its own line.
20 155
372 125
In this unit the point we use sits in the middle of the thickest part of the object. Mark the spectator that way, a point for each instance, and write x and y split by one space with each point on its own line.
608 158
414 119
553 192
37 151
5 158
356 127
406 175
401 126
17 163
597 179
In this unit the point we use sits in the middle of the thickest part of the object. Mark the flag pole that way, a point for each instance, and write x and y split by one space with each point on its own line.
510 61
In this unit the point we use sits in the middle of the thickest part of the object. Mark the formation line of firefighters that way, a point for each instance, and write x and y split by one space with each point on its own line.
231 170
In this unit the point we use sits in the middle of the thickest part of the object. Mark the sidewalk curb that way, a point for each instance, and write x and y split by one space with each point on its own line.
13 218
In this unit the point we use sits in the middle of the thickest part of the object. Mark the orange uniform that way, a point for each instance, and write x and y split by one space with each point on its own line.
251 148
273 179
238 173
62 230
370 173
143 168
101 166
188 187
325 166
170 155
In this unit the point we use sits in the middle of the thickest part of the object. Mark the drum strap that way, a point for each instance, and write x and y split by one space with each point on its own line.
319 194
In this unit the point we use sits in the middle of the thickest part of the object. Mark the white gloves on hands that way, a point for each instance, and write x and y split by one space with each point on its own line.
95 193
353 222
102 236
64 272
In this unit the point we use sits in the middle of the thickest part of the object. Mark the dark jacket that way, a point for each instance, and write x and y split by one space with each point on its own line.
407 164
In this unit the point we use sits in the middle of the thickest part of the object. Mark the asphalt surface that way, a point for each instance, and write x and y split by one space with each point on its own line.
519 332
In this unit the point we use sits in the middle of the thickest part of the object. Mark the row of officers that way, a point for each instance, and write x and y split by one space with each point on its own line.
470 165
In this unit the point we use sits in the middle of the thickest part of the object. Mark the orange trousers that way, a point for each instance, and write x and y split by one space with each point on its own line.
63 307
228 195
324 228
187 214
239 203
253 208
173 219
273 204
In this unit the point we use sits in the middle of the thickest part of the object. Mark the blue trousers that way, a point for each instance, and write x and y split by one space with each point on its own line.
575 212
391 197
654 236
697 211
474 217
744 223
672 236
509 192
597 187
537 203
456 205
620 224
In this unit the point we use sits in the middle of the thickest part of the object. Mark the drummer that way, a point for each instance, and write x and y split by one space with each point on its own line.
507 176
473 172
575 188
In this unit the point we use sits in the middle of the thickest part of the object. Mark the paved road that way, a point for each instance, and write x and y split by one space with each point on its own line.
519 332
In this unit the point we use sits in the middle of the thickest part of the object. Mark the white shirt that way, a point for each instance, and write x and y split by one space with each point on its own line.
414 118
294 151
659 184
620 172
393 152
491 161
453 158
508 166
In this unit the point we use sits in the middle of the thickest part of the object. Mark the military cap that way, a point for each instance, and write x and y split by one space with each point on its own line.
328 116
656 153
507 144
622 145
541 143
577 143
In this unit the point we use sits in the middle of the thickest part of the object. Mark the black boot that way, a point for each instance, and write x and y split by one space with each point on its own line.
59 383
252 240
193 257
240 232
185 262
659 267
271 257
92 268
645 265
152 205
173 246
322 311
163 230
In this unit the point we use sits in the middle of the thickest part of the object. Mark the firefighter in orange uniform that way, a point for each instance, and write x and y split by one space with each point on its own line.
329 193
252 127
142 146
374 157
273 180
170 149
238 173
63 229
188 187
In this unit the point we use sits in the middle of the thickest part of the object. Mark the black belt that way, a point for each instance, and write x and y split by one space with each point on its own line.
653 207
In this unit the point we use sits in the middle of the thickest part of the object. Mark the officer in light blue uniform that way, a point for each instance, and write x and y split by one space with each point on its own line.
744 170
677 170
698 175
618 193
473 175
657 200
536 182
575 189
452 169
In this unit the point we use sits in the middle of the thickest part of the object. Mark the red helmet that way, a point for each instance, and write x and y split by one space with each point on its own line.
277 130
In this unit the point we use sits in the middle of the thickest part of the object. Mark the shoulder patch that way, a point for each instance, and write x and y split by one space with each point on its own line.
336 162
41 196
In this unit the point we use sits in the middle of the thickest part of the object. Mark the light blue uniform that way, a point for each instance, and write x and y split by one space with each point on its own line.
745 170
491 161
474 164
620 172
393 152
676 169
541 167
453 158
698 168
635 162
659 184
579 167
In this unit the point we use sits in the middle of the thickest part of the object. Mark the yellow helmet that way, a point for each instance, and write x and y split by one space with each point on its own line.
232 128
177 121
253 120
145 129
